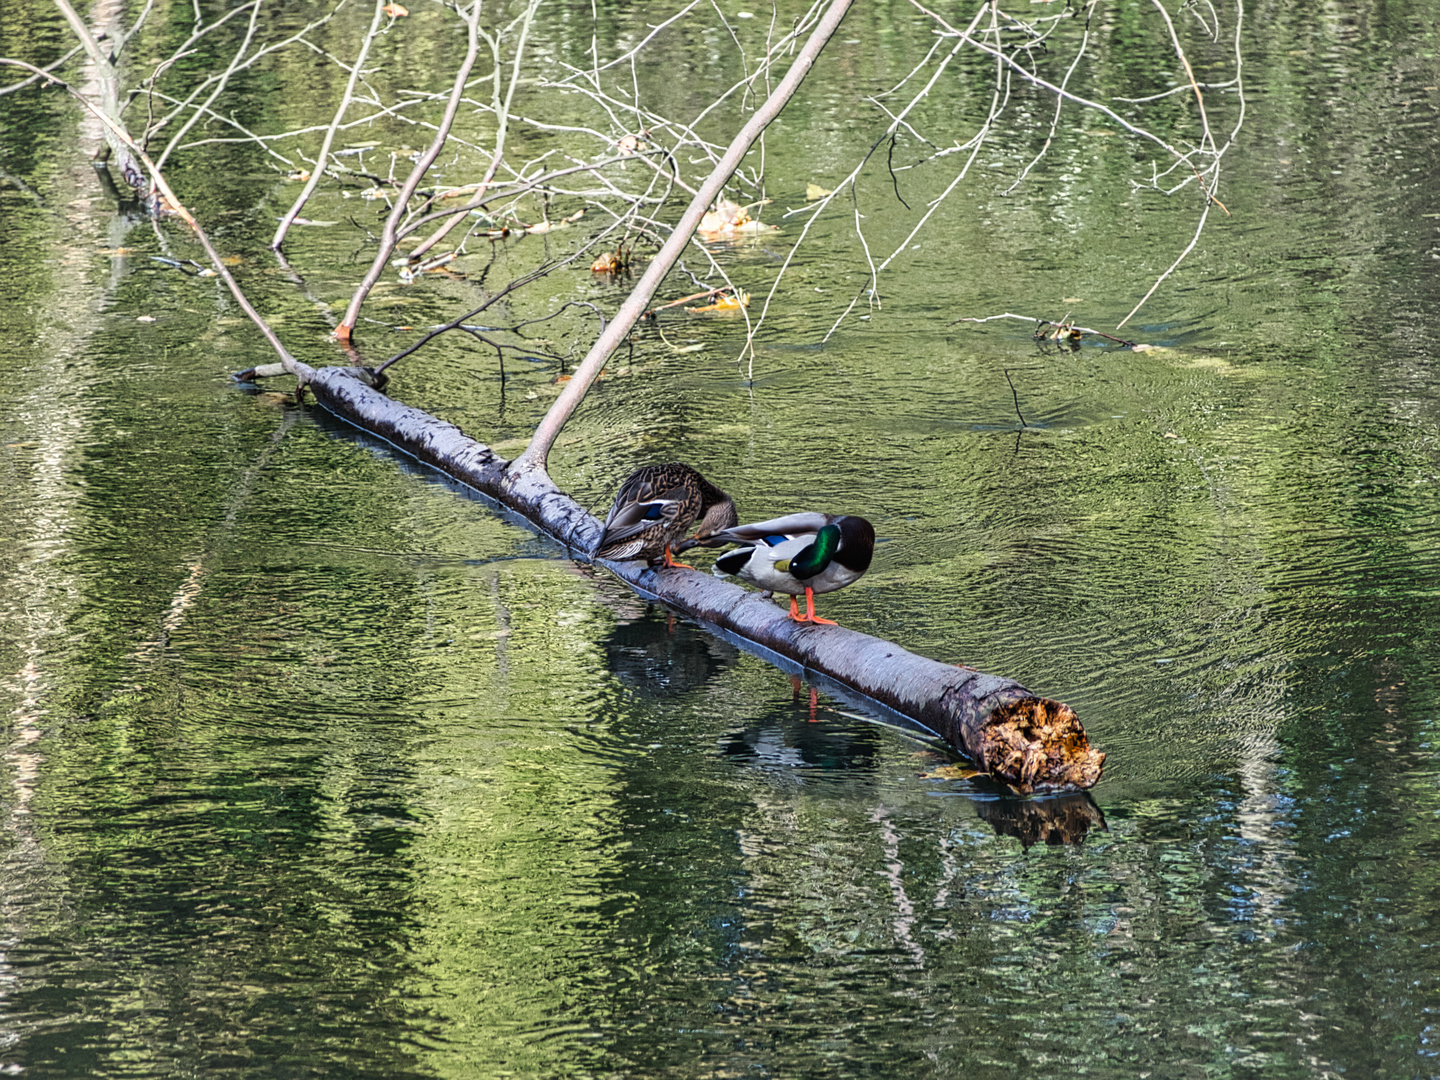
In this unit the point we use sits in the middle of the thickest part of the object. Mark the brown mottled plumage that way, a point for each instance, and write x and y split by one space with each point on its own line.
656 506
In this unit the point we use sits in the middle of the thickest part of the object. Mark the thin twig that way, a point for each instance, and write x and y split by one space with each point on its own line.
1046 322
340 110
1055 119
218 87
706 295
1199 228
502 112
30 80
1016 396
346 327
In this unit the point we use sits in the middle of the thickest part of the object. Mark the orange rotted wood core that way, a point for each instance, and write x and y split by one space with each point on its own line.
1036 744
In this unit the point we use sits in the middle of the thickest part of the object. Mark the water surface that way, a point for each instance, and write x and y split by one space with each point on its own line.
315 765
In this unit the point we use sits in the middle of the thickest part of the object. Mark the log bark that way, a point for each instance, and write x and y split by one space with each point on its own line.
1025 741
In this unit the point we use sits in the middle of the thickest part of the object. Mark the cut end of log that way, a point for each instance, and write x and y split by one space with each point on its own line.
1036 744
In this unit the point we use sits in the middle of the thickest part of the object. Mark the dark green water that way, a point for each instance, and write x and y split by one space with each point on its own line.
315 766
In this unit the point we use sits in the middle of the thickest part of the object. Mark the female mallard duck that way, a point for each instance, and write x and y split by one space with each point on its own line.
800 553
655 507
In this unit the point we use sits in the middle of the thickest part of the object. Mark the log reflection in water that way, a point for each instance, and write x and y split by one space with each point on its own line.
1062 819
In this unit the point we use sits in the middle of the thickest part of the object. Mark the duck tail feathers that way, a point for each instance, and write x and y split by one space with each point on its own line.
732 562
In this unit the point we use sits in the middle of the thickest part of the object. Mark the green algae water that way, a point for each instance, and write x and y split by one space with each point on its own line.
315 765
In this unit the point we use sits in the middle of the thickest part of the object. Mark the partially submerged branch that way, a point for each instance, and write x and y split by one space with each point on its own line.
1063 330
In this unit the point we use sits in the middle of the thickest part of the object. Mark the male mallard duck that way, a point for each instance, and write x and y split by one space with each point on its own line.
655 507
800 553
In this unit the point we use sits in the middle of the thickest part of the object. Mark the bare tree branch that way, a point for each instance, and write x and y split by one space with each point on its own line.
340 110
502 126
534 458
345 329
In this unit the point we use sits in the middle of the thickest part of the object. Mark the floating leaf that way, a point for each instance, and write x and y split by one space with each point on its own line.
395 11
815 191
726 302
632 144
950 772
144 318
727 220
612 262
298 174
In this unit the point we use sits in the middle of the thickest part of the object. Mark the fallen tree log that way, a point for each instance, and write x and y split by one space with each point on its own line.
1027 742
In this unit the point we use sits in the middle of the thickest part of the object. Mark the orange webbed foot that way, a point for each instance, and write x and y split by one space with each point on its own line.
809 616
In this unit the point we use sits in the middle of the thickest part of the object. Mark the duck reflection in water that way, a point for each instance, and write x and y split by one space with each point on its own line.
792 739
654 654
